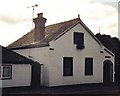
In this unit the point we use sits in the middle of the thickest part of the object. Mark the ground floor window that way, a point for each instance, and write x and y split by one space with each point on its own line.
67 66
88 66
6 72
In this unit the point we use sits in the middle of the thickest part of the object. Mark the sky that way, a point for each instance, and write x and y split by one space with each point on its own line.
16 16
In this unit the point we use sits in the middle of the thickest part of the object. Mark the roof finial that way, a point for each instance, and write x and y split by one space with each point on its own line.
99 29
78 15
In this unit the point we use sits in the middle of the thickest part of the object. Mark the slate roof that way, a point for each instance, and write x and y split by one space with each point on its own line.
51 32
10 57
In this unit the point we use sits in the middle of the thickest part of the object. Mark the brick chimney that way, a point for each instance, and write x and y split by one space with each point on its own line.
39 27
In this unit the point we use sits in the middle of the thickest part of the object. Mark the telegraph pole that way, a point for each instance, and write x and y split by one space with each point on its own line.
33 8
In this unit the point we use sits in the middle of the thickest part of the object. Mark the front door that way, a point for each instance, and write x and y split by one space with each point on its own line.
107 72
36 75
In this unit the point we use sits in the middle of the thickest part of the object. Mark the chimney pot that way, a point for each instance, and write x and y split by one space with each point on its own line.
40 15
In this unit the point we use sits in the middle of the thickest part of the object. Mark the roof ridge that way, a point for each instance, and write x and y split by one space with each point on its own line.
63 22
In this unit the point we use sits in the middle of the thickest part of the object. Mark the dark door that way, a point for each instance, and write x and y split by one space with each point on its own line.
36 75
107 72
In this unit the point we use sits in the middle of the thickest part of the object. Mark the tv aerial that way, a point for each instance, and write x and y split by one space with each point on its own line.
33 9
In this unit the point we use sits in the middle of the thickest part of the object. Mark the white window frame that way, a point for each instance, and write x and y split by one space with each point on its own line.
2 72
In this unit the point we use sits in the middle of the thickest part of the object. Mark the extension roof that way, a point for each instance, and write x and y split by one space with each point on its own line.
9 57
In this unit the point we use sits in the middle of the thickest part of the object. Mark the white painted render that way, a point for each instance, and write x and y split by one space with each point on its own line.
21 76
64 47
52 60
40 55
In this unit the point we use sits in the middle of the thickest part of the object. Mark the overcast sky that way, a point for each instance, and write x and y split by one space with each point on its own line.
16 18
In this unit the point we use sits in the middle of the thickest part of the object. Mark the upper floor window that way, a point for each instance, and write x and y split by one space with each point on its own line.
79 40
68 66
88 66
6 72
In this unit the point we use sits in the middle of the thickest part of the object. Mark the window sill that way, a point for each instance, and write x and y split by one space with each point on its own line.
88 75
80 47
5 78
67 75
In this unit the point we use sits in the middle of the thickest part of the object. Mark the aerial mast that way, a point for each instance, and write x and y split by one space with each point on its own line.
33 8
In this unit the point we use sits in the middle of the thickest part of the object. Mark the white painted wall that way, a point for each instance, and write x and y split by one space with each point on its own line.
21 76
64 47
40 55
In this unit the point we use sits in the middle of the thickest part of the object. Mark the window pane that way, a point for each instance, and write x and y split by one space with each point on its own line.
6 71
88 66
78 38
67 66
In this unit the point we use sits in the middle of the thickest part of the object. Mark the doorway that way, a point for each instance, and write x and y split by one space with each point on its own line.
107 72
36 75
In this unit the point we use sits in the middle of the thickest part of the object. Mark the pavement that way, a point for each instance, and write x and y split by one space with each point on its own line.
96 89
